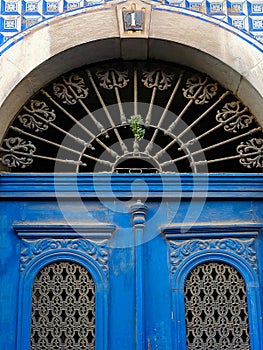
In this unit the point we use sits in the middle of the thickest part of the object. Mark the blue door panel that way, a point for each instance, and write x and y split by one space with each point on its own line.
158 308
122 299
239 215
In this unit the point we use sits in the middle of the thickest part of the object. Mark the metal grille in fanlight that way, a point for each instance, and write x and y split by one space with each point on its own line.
133 117
63 308
216 308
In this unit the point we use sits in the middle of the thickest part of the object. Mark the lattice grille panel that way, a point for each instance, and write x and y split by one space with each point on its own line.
63 308
216 309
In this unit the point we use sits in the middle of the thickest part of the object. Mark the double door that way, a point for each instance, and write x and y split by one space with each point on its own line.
138 286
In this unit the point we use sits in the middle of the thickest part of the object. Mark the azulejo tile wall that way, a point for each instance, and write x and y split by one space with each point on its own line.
18 15
244 15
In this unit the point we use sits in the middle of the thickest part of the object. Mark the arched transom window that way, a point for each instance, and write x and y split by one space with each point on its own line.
133 117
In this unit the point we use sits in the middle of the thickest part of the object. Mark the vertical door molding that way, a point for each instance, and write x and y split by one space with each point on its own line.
139 211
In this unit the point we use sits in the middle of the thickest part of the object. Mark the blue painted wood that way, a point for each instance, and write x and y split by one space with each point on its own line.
96 231
122 328
115 185
238 251
43 244
227 208
139 212
158 308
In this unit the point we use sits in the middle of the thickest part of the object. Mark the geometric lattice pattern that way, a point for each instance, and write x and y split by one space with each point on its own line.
216 308
63 308
16 15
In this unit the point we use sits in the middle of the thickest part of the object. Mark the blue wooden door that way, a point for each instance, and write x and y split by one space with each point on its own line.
129 153
193 284
145 266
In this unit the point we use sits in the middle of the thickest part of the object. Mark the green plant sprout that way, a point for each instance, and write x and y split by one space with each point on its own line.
137 126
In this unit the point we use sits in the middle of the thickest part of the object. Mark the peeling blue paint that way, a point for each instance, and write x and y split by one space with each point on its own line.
228 214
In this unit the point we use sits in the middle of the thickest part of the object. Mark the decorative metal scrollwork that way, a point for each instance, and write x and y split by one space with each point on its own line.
251 153
159 78
190 124
38 116
20 152
234 117
198 89
74 88
216 308
63 308
111 77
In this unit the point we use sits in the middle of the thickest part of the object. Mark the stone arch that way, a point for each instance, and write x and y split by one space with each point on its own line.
224 53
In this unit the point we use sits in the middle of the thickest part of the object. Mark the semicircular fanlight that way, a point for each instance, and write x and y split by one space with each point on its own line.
133 117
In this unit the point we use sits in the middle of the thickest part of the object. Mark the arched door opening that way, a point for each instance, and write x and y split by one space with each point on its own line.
132 118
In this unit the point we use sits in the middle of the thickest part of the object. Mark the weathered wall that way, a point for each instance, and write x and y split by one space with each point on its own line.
20 15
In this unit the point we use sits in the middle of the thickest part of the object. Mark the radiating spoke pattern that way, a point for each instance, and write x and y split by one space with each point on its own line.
82 123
